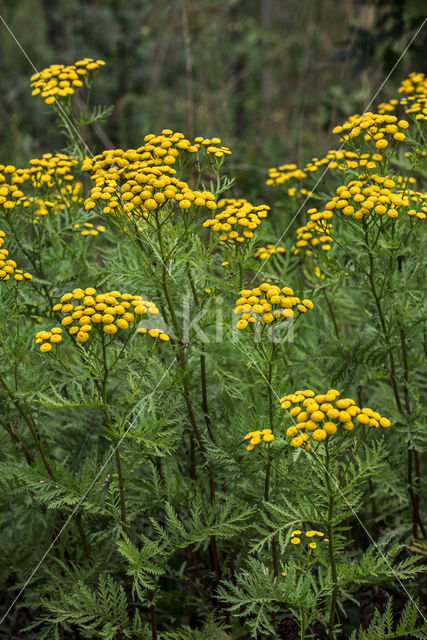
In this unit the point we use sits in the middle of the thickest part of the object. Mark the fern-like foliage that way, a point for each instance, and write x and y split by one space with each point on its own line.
99 612
382 627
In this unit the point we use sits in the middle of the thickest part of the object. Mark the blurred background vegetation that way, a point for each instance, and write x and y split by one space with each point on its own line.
270 77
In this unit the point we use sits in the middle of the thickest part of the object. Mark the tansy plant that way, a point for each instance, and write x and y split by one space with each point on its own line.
155 483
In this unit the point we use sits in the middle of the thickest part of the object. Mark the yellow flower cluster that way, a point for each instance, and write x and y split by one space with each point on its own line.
48 338
318 416
9 173
414 84
237 219
376 127
42 207
60 81
377 194
142 180
211 146
255 437
318 272
144 191
295 537
294 192
339 159
269 303
342 159
263 253
315 234
108 312
280 175
154 333
11 196
11 178
161 149
58 201
415 102
88 229
52 170
8 267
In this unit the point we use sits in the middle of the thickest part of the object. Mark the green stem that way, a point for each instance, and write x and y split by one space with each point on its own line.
371 276
268 469
122 490
302 624
15 437
331 549
413 455
116 445
31 425
205 405
331 313
240 274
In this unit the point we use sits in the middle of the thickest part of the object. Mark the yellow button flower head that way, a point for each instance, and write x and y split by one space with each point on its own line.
8 267
255 437
319 416
263 253
378 195
268 303
236 219
86 312
59 81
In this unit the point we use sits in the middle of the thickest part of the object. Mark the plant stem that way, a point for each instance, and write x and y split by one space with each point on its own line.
413 455
15 437
268 469
205 405
331 313
122 490
302 625
32 426
333 602
240 274
371 277
116 445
